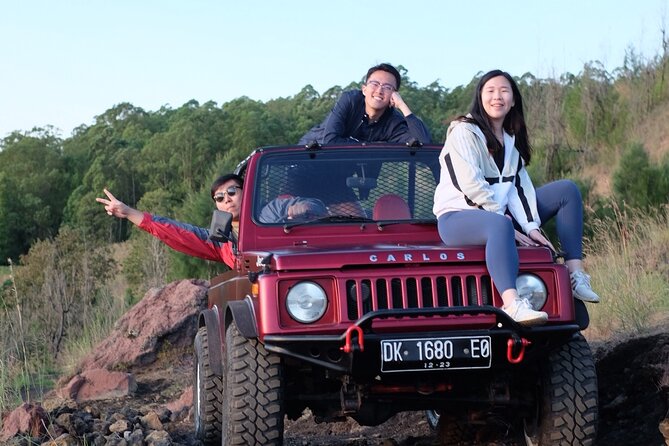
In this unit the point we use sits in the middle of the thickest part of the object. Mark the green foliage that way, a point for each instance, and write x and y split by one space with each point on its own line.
57 283
178 158
34 187
148 262
592 109
638 183
48 302
28 364
643 82
295 115
248 124
101 318
114 145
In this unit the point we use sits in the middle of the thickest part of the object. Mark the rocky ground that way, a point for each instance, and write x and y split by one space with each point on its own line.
151 404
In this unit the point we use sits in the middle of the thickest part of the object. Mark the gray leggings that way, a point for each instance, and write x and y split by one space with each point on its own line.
560 199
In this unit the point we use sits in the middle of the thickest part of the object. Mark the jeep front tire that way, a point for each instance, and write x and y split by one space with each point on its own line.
566 410
253 408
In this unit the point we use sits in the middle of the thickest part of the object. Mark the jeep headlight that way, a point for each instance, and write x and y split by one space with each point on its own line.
533 289
306 302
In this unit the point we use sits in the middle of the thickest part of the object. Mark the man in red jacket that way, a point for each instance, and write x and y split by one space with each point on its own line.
184 237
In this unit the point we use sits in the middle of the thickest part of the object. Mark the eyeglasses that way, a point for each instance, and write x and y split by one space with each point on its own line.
377 84
230 191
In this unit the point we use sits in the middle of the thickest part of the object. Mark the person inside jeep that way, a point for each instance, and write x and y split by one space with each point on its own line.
305 192
376 113
292 208
483 177
184 237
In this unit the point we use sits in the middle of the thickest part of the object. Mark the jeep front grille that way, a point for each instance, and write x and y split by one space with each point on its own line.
365 295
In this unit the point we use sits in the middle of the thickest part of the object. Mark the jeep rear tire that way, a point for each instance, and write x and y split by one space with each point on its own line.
253 408
207 394
567 400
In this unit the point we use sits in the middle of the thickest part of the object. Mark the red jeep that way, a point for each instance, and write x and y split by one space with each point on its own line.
356 309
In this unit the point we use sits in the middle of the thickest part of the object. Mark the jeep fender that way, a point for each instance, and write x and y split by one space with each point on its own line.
241 311
581 314
209 319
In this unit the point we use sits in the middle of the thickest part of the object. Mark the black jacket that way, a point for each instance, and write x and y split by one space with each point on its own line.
348 123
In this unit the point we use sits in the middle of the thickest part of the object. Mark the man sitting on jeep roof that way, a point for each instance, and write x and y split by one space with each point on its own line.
371 114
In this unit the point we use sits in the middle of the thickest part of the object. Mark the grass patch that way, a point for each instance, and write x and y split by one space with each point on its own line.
630 270
4 274
28 369
99 324
24 380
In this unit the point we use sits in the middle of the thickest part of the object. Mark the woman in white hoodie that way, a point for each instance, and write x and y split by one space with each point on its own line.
484 181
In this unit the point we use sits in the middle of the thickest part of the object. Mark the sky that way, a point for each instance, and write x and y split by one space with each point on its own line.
64 62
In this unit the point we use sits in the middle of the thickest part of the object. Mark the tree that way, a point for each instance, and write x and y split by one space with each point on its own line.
111 151
544 109
636 182
34 186
58 284
149 262
247 125
592 110
179 157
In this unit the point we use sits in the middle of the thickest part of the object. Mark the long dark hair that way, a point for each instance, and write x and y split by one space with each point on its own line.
514 122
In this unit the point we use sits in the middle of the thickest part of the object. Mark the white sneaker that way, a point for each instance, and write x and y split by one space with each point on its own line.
580 286
521 311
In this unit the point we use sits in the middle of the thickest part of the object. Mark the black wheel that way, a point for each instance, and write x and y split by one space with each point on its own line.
253 408
567 401
207 394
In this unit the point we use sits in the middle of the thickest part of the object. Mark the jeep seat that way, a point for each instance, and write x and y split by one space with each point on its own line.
391 207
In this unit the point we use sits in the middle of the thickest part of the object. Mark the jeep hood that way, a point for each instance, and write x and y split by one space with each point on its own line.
311 258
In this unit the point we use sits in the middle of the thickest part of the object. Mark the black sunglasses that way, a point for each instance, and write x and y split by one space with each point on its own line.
230 191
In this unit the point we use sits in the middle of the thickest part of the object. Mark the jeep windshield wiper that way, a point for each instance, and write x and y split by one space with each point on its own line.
330 219
424 221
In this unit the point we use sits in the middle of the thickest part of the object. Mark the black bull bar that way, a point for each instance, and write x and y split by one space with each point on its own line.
357 349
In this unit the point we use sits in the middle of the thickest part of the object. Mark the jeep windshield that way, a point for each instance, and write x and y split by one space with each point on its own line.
380 184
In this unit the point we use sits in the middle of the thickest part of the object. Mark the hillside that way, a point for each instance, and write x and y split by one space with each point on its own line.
652 132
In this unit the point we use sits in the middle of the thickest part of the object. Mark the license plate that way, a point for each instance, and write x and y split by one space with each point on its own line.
468 352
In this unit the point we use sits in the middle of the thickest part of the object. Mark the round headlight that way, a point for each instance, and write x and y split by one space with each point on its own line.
532 288
306 302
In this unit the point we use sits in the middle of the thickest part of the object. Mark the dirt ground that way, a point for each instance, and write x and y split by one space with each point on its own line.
633 386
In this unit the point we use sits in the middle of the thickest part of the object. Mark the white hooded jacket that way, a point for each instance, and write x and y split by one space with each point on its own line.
470 179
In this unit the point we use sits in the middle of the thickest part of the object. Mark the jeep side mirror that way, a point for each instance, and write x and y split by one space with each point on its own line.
221 227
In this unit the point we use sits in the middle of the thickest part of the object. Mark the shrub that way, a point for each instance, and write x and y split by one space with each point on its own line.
637 183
